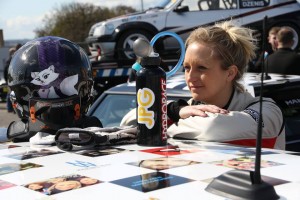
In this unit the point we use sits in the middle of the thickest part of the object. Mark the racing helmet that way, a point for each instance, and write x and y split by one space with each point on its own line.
51 83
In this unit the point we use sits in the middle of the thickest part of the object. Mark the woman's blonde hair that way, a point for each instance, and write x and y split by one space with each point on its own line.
233 45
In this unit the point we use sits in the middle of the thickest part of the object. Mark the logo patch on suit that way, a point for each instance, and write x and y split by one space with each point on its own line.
254 114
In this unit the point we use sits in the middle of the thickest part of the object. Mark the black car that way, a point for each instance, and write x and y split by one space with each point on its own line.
115 102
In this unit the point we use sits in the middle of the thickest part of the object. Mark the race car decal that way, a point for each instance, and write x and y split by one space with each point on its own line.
137 18
253 4
292 102
263 9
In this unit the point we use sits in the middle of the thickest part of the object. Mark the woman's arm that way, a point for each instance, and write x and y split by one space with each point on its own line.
236 127
181 110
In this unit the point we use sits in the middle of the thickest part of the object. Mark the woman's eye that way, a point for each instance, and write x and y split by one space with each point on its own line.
197 68
201 68
186 68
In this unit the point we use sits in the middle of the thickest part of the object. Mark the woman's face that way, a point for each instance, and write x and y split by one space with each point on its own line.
88 181
164 163
56 180
66 185
35 186
204 76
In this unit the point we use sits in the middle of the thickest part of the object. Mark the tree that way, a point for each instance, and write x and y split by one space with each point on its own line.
73 21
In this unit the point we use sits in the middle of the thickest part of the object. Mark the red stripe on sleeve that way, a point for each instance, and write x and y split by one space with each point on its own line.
266 142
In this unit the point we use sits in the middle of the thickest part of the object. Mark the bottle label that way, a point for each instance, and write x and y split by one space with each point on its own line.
145 99
164 108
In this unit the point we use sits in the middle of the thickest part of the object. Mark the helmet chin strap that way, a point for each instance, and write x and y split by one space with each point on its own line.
18 131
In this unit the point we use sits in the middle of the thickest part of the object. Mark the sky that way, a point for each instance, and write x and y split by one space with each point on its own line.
19 18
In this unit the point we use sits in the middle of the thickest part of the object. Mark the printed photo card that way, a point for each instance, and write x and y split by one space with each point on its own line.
8 168
5 185
62 184
8 146
32 154
244 163
163 163
171 150
151 181
104 151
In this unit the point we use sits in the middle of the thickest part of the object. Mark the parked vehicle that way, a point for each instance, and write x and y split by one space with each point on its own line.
115 102
112 39
3 90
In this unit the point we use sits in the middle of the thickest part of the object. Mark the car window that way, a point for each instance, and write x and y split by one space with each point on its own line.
114 107
192 4
217 4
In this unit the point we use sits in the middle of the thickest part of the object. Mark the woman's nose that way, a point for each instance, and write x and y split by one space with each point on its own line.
191 75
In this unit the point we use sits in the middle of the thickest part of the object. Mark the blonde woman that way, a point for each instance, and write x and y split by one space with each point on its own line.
220 110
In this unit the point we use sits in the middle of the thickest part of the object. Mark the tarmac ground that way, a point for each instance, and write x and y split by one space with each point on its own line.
5 117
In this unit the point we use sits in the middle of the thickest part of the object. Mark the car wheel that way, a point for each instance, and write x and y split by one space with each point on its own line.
125 43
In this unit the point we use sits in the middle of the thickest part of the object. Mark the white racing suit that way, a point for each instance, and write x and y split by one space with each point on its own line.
239 126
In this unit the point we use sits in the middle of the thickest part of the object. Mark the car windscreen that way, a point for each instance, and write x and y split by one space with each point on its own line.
111 110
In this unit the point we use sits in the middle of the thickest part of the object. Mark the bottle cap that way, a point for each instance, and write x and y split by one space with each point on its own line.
142 47
150 61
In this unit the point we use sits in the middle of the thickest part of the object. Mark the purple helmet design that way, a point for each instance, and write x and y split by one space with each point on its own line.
48 75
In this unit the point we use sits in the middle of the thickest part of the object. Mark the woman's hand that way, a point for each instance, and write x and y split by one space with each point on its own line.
199 110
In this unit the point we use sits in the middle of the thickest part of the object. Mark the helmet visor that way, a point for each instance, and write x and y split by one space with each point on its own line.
50 115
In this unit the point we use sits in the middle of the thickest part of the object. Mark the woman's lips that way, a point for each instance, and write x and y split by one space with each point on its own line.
196 86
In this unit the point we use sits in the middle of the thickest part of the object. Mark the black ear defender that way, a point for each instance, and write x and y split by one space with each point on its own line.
64 146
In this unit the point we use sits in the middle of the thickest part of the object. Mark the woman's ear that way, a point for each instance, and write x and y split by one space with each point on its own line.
232 72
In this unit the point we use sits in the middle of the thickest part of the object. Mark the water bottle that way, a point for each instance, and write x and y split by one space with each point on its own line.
151 103
151 92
